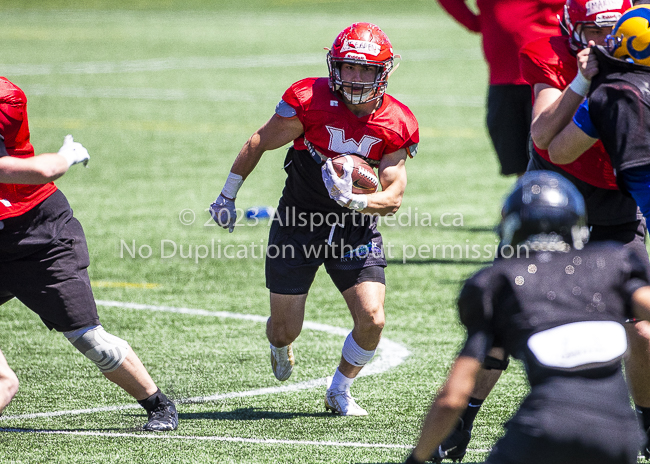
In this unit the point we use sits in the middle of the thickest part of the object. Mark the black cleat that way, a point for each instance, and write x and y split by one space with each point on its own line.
646 447
454 447
163 418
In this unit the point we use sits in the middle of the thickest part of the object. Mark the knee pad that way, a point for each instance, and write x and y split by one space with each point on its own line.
107 351
354 354
490 362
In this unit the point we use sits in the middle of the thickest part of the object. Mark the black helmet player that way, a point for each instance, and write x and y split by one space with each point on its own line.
544 211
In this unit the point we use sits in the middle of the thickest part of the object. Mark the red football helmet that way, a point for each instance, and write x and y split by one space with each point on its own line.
366 44
599 13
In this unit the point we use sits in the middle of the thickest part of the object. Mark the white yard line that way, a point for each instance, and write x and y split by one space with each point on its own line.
263 441
389 354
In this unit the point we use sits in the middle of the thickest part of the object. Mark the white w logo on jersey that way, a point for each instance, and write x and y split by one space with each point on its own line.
339 144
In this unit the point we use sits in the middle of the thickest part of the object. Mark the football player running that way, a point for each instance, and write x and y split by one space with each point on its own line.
319 221
44 258
558 69
561 309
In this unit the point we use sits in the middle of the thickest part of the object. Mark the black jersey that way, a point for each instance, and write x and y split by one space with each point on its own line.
619 108
562 314
305 200
304 187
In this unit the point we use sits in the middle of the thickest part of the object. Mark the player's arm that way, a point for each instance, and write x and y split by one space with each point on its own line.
576 138
447 407
641 303
276 132
569 144
8 383
392 176
43 168
554 108
459 10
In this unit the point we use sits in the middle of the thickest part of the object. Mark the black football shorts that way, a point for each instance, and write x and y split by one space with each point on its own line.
351 250
52 280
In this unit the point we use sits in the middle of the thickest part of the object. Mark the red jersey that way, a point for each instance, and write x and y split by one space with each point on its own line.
550 61
332 129
506 26
16 199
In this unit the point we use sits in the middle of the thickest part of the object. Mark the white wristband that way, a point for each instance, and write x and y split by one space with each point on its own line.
580 85
358 202
233 183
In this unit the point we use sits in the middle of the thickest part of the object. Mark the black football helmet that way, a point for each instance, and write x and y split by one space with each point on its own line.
545 211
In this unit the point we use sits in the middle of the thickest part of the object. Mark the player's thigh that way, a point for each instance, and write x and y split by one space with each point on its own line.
293 257
53 281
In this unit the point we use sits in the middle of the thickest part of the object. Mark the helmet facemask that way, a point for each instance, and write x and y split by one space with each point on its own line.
579 14
356 93
630 39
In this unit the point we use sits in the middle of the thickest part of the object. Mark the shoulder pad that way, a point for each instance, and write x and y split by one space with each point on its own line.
283 109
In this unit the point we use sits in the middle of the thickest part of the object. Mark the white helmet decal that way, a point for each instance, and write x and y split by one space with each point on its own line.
361 46
598 6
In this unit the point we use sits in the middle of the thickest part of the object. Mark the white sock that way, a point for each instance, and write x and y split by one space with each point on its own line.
340 382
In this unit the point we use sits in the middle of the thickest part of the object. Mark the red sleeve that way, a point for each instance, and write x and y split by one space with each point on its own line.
11 119
539 65
459 10
299 95
290 98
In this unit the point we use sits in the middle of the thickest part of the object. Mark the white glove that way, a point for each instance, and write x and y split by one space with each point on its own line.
224 213
73 152
340 188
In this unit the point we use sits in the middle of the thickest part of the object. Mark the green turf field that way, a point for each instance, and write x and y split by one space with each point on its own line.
163 94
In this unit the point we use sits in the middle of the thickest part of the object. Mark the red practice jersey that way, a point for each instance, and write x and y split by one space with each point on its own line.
16 199
506 26
550 61
332 129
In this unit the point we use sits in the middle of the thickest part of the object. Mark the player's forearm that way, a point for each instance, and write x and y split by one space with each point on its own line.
8 383
438 424
459 10
248 157
383 203
275 133
35 170
569 144
448 406
555 117
641 303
